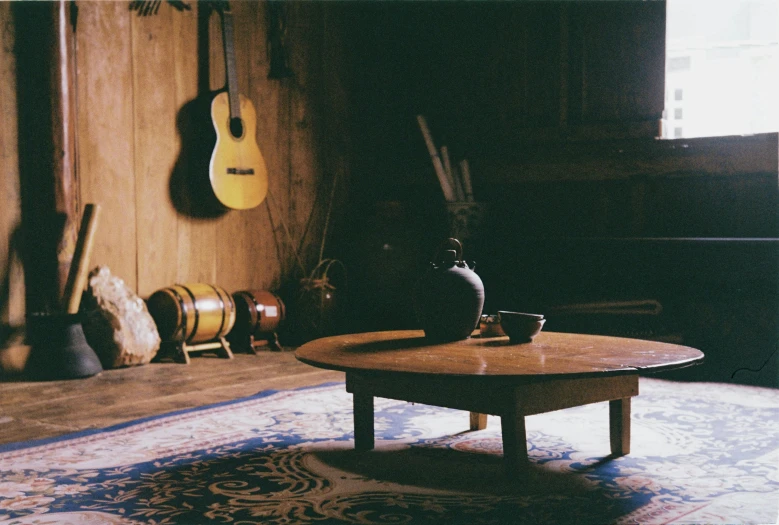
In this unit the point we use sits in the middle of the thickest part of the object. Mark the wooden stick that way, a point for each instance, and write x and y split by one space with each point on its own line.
466 173
458 185
79 269
443 180
446 161
451 173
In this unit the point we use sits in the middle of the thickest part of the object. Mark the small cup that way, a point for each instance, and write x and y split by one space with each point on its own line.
489 326
521 327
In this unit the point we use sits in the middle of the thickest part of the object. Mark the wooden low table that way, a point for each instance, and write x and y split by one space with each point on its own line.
493 376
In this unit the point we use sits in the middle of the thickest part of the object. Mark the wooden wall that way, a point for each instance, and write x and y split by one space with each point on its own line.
134 76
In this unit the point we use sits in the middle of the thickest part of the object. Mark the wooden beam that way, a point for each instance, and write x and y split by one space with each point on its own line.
63 96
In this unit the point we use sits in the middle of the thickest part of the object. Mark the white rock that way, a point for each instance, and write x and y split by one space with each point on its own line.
117 323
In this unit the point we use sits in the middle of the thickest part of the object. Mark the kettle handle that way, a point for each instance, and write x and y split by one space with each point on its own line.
448 244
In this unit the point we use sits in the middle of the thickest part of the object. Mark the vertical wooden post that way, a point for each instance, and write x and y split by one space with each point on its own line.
512 423
63 91
478 421
619 426
46 149
363 421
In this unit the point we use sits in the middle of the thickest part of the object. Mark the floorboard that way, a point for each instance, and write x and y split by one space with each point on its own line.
37 410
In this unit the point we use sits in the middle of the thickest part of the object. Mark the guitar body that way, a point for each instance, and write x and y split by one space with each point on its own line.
237 169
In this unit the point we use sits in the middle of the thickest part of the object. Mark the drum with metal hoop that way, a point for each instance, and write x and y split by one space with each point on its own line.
192 313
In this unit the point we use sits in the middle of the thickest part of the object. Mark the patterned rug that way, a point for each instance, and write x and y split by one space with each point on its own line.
701 453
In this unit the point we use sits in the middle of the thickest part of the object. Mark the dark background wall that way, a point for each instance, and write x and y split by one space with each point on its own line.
556 105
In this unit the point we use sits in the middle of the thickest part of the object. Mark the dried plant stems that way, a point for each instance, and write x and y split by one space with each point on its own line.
451 172
272 204
455 181
465 171
443 179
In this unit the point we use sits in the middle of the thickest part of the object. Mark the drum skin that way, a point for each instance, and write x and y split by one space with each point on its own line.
192 313
258 312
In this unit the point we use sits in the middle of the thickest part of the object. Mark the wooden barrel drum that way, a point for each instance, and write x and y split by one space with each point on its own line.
259 313
193 317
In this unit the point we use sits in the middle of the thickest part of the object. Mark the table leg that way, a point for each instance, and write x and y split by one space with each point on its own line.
363 421
512 425
478 421
619 426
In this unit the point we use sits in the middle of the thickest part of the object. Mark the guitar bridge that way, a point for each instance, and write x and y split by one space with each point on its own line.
240 171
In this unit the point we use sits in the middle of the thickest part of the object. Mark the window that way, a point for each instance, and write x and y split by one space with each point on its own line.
722 67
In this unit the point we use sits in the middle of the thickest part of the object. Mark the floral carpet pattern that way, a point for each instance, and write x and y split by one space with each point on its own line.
701 453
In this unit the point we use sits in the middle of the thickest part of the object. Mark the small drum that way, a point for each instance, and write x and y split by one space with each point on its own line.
258 315
187 314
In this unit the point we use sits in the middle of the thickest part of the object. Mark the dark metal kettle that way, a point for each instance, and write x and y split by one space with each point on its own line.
449 296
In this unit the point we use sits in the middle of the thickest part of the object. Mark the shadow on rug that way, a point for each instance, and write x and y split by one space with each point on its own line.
701 453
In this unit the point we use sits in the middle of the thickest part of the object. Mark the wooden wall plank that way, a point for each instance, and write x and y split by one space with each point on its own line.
235 232
334 138
258 233
265 94
229 243
105 124
276 122
196 237
11 297
154 113
305 61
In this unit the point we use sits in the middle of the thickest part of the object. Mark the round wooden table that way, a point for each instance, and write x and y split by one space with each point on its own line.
493 376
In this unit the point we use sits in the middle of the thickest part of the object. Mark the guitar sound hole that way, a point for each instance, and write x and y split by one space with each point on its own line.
236 127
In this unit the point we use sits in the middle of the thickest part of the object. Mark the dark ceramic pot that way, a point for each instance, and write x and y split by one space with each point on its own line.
449 297
59 348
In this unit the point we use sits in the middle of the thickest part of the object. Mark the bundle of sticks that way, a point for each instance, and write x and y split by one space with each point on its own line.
455 181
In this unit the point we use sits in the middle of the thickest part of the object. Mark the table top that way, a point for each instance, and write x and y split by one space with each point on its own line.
550 354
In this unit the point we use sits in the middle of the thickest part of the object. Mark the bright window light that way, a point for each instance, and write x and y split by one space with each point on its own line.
721 68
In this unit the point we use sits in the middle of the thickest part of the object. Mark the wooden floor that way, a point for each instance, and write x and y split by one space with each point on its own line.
35 410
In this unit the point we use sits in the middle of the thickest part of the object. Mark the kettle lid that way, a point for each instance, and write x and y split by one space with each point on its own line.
448 256
450 253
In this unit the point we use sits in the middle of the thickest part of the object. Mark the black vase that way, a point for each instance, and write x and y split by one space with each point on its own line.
59 348
449 297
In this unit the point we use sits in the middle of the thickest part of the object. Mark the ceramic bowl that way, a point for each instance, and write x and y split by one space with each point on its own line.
521 327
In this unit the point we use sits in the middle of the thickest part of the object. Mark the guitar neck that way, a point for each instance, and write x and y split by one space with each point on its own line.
232 76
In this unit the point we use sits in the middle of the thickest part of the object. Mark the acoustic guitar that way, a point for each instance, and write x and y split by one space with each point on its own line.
237 169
